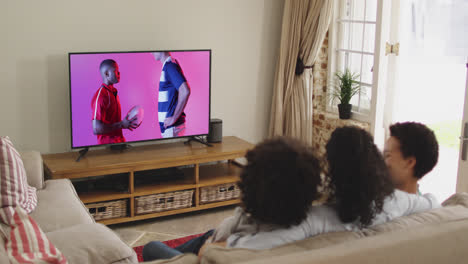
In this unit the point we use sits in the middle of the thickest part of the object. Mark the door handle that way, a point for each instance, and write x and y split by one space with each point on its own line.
464 142
464 149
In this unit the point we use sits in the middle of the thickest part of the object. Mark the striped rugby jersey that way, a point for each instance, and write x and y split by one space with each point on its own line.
171 79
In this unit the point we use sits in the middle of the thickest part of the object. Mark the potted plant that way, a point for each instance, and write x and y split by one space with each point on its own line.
345 86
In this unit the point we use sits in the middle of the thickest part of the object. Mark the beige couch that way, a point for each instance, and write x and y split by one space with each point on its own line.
66 221
436 236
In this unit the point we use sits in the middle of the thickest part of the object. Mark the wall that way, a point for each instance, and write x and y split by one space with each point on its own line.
36 36
325 122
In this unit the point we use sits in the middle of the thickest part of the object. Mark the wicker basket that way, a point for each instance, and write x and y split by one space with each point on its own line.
163 202
107 210
222 192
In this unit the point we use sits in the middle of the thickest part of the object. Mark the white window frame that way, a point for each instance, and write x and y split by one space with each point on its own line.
363 116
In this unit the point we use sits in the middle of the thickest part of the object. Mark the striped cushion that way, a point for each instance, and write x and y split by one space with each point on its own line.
26 243
14 188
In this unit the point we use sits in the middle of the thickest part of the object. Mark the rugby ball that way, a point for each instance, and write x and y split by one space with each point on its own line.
138 112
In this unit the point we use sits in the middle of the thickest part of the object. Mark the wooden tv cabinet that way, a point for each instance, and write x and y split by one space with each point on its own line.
194 156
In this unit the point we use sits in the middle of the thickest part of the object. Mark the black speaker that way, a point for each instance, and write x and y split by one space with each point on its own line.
216 131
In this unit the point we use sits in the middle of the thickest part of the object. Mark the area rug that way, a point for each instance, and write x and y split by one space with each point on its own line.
172 243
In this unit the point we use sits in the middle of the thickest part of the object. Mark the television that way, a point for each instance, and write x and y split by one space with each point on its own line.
136 96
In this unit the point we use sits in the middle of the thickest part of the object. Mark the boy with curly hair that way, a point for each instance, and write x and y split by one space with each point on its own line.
410 153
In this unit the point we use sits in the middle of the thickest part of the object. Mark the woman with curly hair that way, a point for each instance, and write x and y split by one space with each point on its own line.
361 194
278 185
358 178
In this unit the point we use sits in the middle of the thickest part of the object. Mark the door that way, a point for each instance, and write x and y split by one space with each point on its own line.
426 78
462 179
380 73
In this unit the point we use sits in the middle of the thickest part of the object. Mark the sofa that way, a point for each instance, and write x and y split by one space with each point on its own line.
66 222
436 236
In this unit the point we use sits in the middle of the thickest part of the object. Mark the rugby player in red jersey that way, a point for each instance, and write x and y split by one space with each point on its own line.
107 117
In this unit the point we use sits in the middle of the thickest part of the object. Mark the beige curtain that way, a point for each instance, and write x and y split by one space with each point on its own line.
305 24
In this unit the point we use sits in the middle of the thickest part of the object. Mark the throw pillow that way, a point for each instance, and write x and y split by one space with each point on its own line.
26 243
14 188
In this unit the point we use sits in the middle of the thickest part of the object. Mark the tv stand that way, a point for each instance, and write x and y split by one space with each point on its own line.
202 168
82 154
198 140
119 147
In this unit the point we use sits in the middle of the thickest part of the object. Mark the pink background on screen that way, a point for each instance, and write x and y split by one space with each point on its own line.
139 85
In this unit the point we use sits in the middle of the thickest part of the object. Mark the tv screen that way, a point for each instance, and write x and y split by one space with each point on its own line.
122 97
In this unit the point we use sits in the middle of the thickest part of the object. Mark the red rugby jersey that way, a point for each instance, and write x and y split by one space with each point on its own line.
106 108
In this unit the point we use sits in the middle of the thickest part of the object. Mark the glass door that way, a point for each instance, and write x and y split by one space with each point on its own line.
427 77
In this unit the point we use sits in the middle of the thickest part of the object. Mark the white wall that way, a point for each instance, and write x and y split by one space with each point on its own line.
35 37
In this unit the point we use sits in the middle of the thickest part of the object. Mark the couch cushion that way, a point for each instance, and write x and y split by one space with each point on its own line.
59 206
92 243
428 244
215 254
34 167
457 199
439 215
14 188
3 254
455 208
3 236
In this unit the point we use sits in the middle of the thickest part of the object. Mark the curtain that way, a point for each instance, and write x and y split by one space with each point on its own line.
305 25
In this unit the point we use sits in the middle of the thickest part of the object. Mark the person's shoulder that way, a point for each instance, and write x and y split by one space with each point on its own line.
433 199
98 91
102 91
412 198
398 197
103 96
399 194
170 65
429 196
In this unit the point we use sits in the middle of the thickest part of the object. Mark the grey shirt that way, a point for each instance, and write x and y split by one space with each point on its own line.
241 231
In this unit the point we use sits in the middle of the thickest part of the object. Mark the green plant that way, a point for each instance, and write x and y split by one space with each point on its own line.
345 86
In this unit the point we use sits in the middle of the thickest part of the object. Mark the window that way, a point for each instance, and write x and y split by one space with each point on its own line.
352 42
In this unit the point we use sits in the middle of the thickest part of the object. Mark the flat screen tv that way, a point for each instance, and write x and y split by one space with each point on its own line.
124 97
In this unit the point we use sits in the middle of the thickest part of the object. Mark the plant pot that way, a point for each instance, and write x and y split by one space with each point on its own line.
344 111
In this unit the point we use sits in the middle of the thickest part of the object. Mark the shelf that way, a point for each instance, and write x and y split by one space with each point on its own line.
218 204
163 188
167 213
218 174
187 182
101 196
146 216
147 171
152 156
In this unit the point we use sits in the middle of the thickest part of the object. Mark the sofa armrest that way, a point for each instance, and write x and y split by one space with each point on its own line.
92 244
32 161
